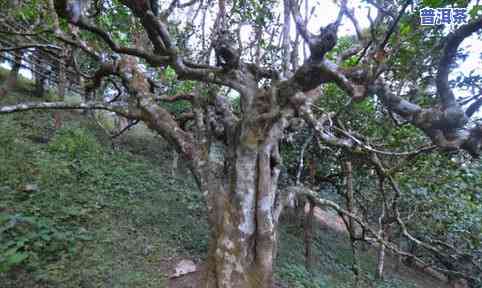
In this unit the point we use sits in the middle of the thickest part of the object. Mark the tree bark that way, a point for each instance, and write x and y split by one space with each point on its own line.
243 237
241 248
241 196
382 233
381 259
308 235
348 171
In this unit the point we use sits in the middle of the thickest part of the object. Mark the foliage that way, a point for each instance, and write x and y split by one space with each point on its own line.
298 277
74 142
33 238
449 205
394 283
93 207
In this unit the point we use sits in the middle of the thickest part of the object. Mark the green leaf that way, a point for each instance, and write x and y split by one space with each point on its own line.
11 258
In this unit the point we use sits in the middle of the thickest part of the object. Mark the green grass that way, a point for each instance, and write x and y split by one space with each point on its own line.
99 218
332 262
104 218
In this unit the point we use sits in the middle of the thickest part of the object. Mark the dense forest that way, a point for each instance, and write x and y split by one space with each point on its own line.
240 143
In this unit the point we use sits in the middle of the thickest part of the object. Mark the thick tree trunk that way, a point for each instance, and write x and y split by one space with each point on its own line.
238 257
238 176
243 235
241 193
236 168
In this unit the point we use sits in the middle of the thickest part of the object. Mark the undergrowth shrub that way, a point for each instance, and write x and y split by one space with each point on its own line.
395 283
75 143
299 277
31 239
40 226
7 132
16 155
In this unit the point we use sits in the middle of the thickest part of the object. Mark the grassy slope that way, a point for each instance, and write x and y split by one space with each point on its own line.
104 218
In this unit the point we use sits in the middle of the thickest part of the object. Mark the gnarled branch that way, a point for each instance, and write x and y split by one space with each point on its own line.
449 52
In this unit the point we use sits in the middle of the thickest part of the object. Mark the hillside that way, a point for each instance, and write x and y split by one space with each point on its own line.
76 213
